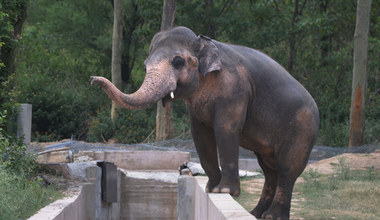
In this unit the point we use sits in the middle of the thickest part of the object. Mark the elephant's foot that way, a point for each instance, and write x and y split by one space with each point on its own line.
233 188
211 184
258 211
278 213
263 205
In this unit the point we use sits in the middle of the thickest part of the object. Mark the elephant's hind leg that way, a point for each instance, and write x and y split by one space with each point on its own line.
269 189
290 163
291 158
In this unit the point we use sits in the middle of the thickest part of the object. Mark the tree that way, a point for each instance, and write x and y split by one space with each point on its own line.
293 34
12 19
359 79
117 40
15 16
164 117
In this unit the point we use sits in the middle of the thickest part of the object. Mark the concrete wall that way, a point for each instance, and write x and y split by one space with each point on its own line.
54 157
154 194
194 203
139 160
141 194
149 195
86 204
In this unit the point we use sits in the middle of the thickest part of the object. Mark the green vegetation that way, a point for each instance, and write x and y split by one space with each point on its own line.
20 198
249 196
137 130
21 195
313 40
345 194
48 56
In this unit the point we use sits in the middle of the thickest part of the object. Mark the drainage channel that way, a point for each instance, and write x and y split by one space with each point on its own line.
136 185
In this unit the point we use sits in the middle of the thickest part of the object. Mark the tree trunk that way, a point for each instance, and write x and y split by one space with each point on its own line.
9 51
359 79
209 22
292 38
164 117
117 52
325 39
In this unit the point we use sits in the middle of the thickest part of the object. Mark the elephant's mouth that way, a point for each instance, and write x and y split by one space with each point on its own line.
168 98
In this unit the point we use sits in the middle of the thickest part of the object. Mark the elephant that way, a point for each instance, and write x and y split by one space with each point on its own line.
235 96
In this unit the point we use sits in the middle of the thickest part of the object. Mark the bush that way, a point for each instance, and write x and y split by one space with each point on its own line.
57 85
21 198
129 127
13 154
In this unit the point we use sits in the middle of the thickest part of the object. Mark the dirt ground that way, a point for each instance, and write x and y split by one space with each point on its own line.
324 166
328 166
353 161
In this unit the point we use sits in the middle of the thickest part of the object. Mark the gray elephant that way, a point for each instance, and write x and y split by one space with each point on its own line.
236 96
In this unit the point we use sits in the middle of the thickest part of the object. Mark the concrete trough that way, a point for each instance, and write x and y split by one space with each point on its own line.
148 187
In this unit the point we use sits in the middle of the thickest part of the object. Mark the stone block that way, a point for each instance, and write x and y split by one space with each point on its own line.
54 157
144 160
84 156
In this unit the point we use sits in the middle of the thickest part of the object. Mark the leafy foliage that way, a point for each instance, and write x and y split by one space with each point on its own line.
312 39
53 81
130 127
21 198
13 154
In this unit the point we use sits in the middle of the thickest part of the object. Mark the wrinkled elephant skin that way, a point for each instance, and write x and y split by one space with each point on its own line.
236 96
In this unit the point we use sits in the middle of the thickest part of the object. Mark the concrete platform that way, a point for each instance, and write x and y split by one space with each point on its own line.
195 204
147 188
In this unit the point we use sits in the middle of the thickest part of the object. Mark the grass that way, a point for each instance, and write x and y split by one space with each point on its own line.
249 196
21 198
345 194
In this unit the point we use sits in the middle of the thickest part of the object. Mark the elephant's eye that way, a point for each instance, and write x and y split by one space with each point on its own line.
178 62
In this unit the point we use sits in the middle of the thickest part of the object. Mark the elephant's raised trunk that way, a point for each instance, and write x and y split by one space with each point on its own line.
154 88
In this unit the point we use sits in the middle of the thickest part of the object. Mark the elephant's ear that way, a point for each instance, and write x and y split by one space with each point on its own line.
208 55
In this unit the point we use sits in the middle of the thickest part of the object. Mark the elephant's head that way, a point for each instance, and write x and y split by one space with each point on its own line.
176 59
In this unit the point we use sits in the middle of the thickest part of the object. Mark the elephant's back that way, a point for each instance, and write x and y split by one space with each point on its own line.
270 83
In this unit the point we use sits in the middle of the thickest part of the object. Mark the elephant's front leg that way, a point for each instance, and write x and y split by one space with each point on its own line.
205 144
228 148
228 124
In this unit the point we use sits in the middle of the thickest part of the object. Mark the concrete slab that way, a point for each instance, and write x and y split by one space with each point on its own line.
148 198
185 198
54 157
195 203
87 171
196 169
55 210
87 203
143 160
250 164
170 177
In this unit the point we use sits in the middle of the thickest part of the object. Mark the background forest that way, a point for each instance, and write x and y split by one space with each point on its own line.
65 42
